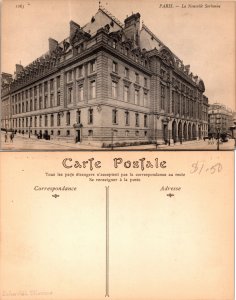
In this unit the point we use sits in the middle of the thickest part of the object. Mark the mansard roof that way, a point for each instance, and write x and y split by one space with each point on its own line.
150 41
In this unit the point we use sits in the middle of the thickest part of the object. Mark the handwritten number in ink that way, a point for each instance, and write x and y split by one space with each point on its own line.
199 167
216 168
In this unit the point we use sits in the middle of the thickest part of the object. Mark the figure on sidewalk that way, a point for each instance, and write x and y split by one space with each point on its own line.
12 137
6 136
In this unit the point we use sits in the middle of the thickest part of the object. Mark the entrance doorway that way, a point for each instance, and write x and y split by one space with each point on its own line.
78 136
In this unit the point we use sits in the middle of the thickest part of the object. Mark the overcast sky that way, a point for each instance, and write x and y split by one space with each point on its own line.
202 37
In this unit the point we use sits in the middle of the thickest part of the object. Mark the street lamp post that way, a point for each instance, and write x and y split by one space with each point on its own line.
218 138
218 132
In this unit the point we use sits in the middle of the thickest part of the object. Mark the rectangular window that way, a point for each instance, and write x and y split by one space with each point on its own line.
40 90
40 121
58 120
93 89
145 99
81 93
126 73
69 95
40 103
145 81
51 100
126 118
137 120
45 86
51 85
58 81
136 77
114 67
114 89
69 76
46 120
126 93
45 101
178 104
35 121
58 98
90 116
92 66
52 120
78 116
68 118
80 71
162 97
145 120
114 116
136 97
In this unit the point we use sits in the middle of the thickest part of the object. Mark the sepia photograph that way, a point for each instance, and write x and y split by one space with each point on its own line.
117 75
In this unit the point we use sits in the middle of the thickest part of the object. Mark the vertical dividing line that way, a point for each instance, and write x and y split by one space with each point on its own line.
107 241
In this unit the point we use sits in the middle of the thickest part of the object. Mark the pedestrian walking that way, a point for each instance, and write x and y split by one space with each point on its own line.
12 137
6 136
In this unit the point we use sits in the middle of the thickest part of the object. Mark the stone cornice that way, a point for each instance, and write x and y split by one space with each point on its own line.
115 77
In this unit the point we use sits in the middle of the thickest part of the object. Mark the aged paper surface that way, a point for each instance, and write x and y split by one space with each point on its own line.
124 225
118 74
119 225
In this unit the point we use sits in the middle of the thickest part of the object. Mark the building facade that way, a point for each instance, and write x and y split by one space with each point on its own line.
108 83
220 118
6 114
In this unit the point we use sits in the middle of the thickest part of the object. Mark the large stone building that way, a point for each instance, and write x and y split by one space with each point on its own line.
6 117
109 82
220 119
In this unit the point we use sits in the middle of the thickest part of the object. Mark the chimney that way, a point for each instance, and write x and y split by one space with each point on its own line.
52 44
73 27
132 27
19 68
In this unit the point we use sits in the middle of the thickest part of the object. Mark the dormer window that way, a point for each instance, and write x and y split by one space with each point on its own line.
162 73
114 44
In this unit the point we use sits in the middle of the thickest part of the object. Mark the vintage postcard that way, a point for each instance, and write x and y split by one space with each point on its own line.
119 225
118 127
128 75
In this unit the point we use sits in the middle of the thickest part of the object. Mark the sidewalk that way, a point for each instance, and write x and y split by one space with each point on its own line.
22 142
138 147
